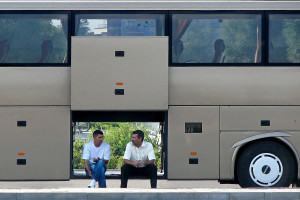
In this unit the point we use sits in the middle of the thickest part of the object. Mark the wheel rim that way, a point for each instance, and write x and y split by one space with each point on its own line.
266 169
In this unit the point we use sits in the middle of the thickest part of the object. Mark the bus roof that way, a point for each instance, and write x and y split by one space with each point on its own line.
147 5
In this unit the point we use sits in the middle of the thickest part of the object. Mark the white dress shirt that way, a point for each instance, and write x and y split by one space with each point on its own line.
144 153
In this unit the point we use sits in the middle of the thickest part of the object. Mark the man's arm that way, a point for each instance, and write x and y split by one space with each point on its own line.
151 155
139 163
149 162
107 154
133 163
87 167
127 156
85 156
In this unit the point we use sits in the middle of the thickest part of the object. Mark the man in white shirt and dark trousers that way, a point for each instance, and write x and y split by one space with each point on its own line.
96 155
139 159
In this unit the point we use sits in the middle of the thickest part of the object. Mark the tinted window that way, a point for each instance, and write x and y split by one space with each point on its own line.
216 38
33 38
284 38
119 25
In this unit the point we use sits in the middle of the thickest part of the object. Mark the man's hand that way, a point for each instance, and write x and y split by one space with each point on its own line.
134 163
139 163
87 167
96 159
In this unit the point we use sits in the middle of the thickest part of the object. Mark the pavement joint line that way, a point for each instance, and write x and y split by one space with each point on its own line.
139 190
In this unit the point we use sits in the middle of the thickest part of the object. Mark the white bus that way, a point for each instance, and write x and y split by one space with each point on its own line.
222 77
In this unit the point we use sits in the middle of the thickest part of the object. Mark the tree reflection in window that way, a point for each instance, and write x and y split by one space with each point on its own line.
216 38
33 38
284 38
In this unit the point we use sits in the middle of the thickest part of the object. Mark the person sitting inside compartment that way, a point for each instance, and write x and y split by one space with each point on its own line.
139 159
96 155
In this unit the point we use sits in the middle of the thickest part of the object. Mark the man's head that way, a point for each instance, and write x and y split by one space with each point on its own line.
137 138
98 137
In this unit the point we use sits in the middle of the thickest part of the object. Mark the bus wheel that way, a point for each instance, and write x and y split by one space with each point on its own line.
265 164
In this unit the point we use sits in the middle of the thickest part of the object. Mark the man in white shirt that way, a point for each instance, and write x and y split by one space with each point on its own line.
139 159
96 155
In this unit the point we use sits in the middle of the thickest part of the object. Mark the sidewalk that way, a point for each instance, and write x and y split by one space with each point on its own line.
115 183
76 189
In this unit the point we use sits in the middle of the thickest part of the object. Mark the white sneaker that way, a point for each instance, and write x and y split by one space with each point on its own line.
92 184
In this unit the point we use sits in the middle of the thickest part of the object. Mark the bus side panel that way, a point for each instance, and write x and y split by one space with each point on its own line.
193 153
35 85
119 73
234 86
241 122
229 138
264 118
35 142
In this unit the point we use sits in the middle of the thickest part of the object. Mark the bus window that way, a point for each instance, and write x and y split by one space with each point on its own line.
284 38
119 25
33 38
216 38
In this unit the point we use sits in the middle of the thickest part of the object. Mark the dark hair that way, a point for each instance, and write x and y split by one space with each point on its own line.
97 132
139 133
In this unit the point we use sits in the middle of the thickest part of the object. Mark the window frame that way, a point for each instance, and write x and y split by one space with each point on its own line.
173 64
168 14
267 39
39 12
120 12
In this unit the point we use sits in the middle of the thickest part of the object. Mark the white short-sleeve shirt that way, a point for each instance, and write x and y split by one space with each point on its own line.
90 151
144 153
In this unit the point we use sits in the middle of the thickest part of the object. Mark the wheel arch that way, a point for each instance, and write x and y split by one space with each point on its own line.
278 137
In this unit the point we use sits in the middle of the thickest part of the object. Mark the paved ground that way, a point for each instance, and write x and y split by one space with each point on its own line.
115 183
76 189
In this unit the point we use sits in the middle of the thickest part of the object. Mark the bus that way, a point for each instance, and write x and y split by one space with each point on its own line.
220 77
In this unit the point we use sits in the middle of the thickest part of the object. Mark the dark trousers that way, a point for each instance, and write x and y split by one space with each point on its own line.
128 171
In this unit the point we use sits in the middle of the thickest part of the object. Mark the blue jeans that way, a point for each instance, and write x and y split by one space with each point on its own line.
98 172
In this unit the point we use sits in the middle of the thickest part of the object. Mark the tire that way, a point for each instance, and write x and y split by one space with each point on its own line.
265 164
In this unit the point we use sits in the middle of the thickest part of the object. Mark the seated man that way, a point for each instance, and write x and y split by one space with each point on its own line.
96 155
139 159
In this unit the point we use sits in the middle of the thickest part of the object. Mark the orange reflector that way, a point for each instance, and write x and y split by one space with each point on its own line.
21 153
119 83
193 153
